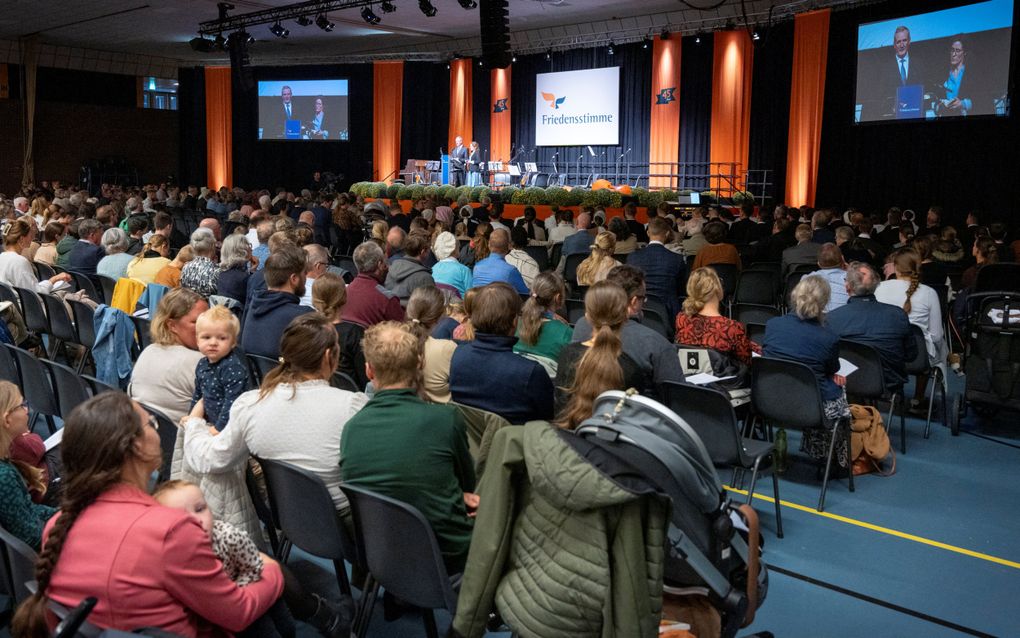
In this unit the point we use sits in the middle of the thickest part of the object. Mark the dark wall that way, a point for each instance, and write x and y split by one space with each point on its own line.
962 164
84 115
770 106
269 163
425 112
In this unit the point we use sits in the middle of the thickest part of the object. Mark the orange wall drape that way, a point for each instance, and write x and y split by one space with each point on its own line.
499 120
460 101
387 96
731 102
664 139
810 52
218 127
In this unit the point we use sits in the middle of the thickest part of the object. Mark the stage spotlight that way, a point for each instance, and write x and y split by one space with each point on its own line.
427 8
647 42
279 31
513 58
755 36
323 22
612 48
548 54
697 39
468 4
481 63
202 45
369 16
304 21
387 6
220 42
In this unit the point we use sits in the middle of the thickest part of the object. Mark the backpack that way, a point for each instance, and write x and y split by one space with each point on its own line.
869 442
713 543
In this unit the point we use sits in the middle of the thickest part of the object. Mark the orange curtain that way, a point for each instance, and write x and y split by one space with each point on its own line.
460 100
731 104
388 92
219 136
810 52
499 120
665 129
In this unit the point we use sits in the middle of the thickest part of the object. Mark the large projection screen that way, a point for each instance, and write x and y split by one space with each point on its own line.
578 108
943 64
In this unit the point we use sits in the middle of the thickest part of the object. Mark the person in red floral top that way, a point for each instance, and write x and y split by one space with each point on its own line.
701 324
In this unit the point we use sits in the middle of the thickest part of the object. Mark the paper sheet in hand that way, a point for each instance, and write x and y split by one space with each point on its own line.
60 285
54 439
845 368
705 378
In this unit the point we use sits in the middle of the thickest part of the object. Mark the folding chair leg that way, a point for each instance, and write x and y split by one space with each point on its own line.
429 617
775 493
903 432
754 480
367 607
285 547
892 410
935 384
849 461
341 577
828 467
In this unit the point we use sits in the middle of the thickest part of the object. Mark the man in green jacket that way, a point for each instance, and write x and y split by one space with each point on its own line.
402 447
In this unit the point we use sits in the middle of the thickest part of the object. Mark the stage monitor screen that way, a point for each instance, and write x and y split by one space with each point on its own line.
943 64
313 110
578 108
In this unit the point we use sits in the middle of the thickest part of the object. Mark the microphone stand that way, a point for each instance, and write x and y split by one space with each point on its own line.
579 158
625 153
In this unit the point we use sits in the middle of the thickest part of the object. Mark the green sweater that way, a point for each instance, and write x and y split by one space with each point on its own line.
417 453
551 338
18 514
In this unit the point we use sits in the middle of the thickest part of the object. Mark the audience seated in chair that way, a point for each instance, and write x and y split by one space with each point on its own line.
717 251
521 390
329 295
832 269
664 270
701 323
407 273
368 301
805 252
495 268
600 261
425 309
271 310
399 446
541 332
19 475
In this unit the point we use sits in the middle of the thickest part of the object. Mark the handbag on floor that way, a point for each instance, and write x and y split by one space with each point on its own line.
869 442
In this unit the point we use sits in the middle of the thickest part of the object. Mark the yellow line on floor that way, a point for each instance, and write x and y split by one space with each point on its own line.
885 530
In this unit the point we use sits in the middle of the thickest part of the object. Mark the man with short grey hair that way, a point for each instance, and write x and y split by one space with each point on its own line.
87 252
21 205
866 320
368 303
316 263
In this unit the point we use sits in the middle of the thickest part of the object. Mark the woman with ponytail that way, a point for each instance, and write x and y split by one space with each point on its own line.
19 515
541 331
600 262
921 303
425 309
148 565
701 324
150 259
15 269
295 416
589 368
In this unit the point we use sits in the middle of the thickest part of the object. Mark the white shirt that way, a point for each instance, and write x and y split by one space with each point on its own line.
16 271
525 263
561 232
306 299
925 311
304 430
906 66
253 238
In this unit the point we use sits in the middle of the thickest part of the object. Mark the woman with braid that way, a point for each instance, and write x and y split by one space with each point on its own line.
148 565
921 303
589 368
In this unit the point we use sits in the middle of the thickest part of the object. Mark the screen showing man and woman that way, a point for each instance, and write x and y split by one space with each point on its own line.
303 110
949 63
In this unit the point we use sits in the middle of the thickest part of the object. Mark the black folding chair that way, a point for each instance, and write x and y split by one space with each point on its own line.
1003 277
755 332
402 555
61 328
71 389
262 509
261 366
867 383
84 282
920 365
747 313
304 511
43 271
711 415
555 253
786 393
108 285
570 267
36 387
97 386
9 367
757 287
540 254
728 274
85 327
575 310
7 294
19 560
143 330
33 312
654 316
167 439
341 381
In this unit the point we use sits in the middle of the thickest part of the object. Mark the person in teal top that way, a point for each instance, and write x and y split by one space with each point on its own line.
404 448
18 514
540 331
447 270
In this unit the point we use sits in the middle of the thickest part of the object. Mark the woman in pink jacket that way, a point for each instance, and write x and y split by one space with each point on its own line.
149 565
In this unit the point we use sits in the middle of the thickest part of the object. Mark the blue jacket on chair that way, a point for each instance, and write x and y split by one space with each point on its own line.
115 337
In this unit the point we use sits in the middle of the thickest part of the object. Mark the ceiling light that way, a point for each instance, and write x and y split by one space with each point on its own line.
755 36
647 42
697 39
612 48
279 31
369 16
303 20
202 45
548 54
323 22
427 8
468 4
387 6
514 58
481 63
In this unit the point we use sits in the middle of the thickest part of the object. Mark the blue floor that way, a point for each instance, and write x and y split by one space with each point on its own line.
834 578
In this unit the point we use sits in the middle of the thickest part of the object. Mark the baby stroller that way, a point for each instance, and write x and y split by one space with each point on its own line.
991 357
706 553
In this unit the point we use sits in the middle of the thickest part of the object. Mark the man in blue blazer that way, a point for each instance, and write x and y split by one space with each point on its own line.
665 271
87 252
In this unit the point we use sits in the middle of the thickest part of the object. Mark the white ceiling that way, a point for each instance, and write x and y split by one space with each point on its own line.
162 28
